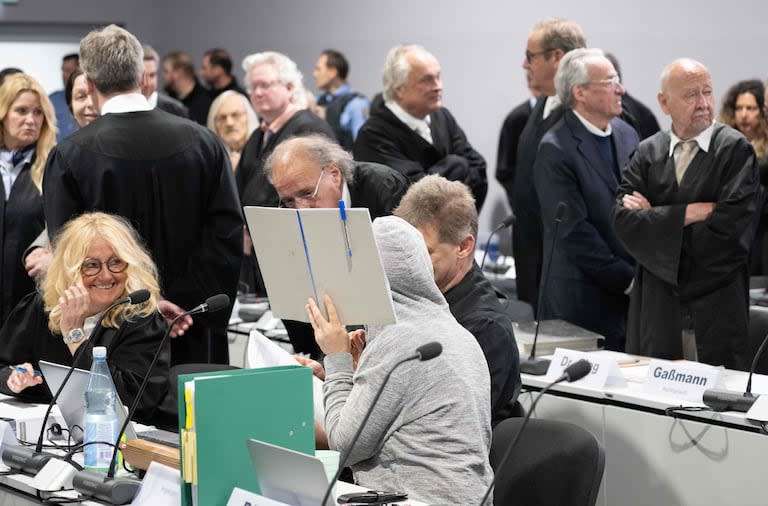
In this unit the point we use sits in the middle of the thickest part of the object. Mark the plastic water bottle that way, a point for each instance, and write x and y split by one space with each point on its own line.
100 419
494 250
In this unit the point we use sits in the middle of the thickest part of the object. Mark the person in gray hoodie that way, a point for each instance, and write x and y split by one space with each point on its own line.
430 433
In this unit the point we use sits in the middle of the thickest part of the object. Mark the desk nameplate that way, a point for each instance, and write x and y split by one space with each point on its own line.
681 380
759 410
161 486
605 371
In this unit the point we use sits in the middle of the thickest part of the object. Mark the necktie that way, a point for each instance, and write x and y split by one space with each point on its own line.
267 135
17 157
424 132
684 157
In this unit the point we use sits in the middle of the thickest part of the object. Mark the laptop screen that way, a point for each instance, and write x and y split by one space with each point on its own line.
288 476
71 402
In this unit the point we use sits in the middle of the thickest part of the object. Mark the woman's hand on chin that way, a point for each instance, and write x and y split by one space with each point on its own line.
75 304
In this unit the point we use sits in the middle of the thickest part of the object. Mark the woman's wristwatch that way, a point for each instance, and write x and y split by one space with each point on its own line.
74 336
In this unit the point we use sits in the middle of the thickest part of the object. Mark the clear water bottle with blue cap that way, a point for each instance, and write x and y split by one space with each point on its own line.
100 419
494 250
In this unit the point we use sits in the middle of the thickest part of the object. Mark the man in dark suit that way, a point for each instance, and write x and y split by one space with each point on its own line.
216 71
168 175
548 42
149 86
181 83
411 132
579 163
687 211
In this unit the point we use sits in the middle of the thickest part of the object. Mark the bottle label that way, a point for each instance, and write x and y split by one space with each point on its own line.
98 456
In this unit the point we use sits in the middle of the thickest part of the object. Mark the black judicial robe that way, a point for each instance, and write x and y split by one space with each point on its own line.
252 184
21 221
387 140
695 276
25 337
172 179
509 139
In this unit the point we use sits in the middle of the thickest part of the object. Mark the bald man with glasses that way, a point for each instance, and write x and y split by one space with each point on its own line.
687 211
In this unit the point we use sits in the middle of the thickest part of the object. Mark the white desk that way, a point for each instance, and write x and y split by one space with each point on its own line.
15 489
652 458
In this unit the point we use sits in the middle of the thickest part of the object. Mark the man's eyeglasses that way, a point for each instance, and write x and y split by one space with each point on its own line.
92 267
691 96
308 197
530 56
262 86
612 82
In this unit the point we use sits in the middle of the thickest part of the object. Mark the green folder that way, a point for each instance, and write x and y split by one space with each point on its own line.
272 404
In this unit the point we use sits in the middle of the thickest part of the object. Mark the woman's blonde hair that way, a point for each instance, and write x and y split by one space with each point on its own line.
13 86
70 250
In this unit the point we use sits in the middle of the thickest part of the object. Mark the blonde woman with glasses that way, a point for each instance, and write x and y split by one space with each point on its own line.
98 260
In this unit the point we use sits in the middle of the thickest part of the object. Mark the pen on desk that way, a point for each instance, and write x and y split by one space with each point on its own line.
20 369
343 213
633 362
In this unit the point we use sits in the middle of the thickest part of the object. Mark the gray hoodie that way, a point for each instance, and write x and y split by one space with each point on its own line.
430 433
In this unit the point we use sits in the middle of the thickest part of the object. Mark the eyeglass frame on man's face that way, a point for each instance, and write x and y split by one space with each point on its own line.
114 265
252 87
530 56
291 202
613 82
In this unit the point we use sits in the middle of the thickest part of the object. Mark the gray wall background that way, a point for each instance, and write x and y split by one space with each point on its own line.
479 43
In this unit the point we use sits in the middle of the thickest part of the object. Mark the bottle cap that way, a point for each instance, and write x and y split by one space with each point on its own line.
99 352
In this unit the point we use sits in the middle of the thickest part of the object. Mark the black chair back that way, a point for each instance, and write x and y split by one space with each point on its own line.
553 463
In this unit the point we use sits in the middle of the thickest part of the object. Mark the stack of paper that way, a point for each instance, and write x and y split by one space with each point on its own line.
554 334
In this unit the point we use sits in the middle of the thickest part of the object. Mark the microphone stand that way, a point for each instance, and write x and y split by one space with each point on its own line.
120 490
723 400
33 462
509 220
144 383
532 365
574 372
430 351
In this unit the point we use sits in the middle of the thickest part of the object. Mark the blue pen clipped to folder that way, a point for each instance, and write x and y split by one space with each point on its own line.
343 214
